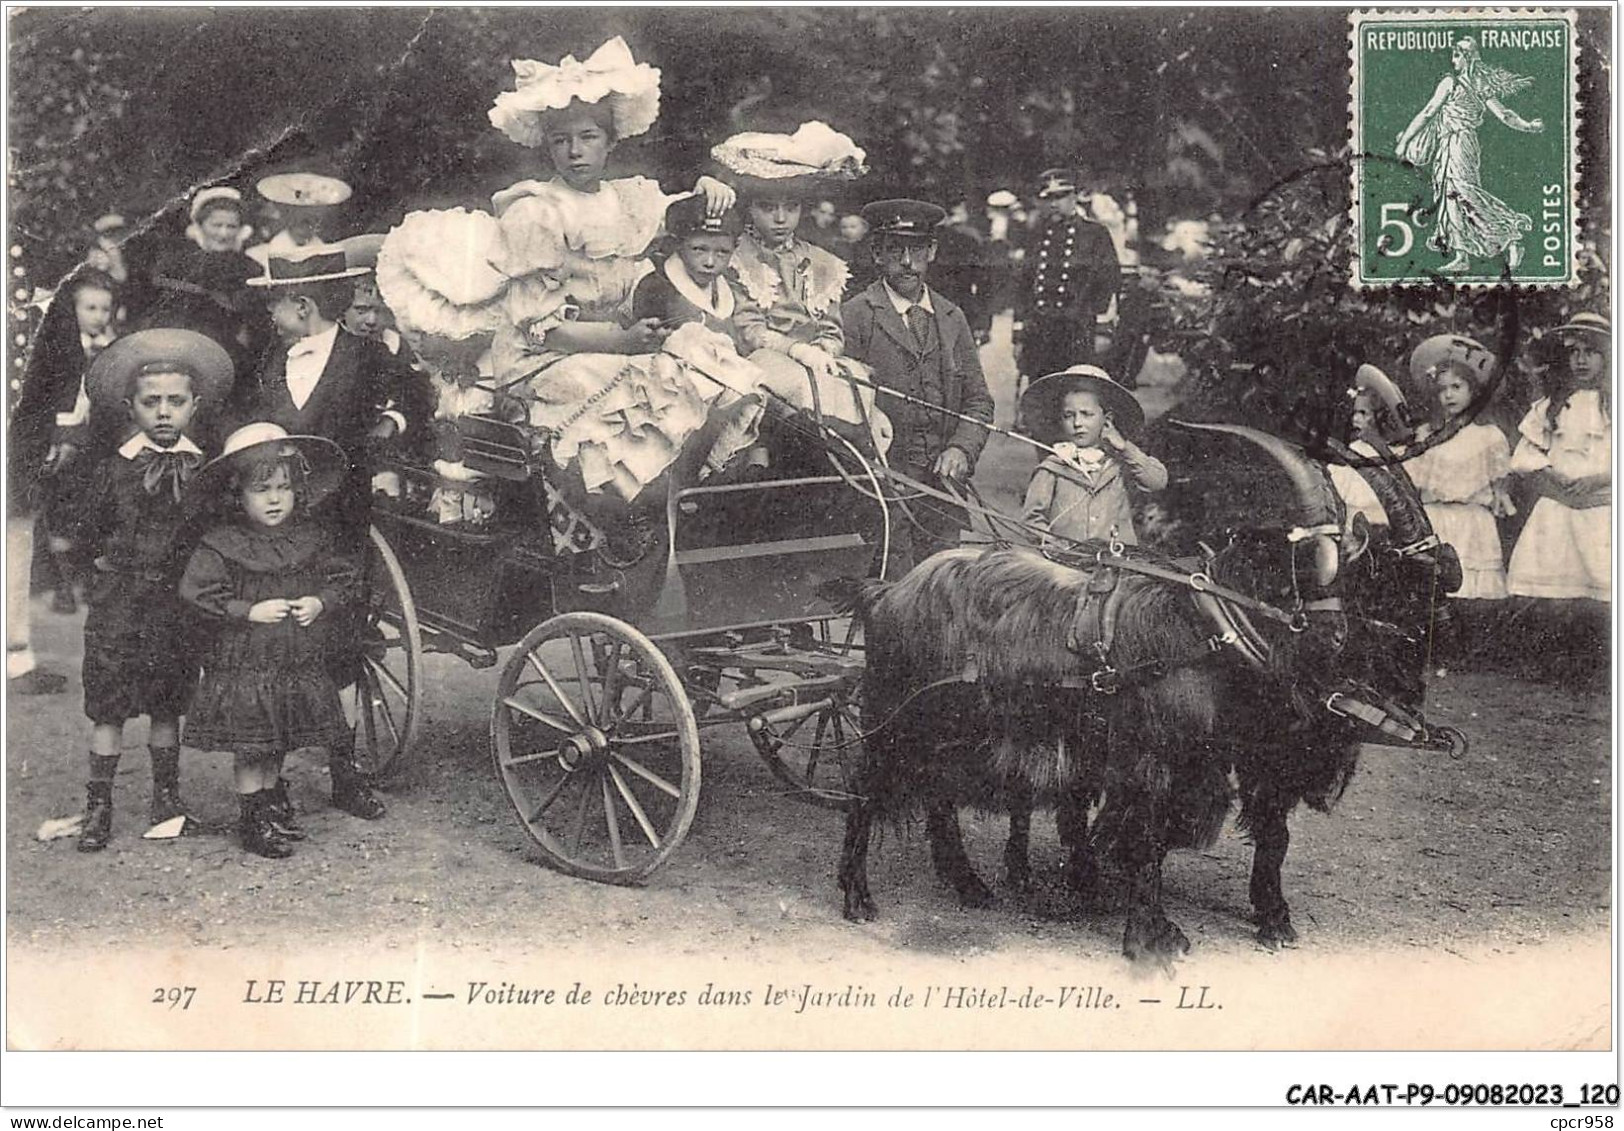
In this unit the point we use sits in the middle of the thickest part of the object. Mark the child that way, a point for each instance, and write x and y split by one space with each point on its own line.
63 351
1566 450
329 383
1081 492
690 286
1463 480
573 249
272 581
1372 426
788 317
201 284
137 651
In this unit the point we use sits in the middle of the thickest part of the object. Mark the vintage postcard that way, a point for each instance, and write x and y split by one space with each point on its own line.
1465 147
813 529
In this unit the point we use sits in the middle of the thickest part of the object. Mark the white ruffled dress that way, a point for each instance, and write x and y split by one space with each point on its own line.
1456 480
578 256
1564 552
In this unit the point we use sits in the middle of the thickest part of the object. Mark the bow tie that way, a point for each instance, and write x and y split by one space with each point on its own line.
1083 459
159 466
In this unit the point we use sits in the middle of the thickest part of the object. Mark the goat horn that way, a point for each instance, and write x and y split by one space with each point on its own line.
1395 490
1311 486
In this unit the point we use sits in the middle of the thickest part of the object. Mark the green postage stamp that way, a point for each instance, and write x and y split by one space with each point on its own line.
1464 147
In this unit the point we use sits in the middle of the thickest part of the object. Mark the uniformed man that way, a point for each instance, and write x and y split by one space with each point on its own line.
1071 276
918 342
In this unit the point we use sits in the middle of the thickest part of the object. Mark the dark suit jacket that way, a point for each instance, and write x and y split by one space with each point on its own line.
361 381
948 373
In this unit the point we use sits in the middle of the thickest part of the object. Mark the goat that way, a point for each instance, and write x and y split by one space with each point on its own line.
1031 728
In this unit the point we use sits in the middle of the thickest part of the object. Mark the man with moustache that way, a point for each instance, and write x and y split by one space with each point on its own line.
918 342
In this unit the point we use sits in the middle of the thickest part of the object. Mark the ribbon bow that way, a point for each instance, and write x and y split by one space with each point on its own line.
1083 459
570 72
158 466
610 70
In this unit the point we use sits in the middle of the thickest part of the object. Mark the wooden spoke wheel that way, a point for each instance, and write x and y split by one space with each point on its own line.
815 748
596 743
391 684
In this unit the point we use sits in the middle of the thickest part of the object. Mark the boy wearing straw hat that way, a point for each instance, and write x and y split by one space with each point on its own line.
138 657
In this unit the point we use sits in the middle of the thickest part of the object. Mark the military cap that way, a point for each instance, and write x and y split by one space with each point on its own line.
1057 182
688 217
905 218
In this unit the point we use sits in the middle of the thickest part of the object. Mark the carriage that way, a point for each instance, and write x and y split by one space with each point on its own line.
615 666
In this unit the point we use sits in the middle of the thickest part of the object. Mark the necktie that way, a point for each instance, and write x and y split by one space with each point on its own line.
159 467
919 322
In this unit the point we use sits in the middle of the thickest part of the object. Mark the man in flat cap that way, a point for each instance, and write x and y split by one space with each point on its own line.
918 342
1071 276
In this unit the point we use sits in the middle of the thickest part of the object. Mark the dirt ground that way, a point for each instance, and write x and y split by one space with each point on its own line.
1506 847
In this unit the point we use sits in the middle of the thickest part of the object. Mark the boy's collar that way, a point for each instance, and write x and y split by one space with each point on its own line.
141 442
311 343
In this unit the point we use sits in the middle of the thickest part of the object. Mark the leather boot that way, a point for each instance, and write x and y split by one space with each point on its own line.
255 830
166 802
98 827
351 790
279 807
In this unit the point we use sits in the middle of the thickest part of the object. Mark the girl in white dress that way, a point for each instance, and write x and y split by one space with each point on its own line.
1463 480
1566 451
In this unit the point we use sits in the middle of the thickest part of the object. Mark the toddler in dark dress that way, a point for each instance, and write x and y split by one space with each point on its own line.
273 583
138 658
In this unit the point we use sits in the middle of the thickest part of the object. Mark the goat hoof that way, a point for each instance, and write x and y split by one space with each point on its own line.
1159 940
1276 932
861 910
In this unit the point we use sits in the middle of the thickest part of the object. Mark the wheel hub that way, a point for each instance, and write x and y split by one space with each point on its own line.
583 750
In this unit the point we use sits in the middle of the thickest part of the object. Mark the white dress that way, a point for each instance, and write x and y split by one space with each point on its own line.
1456 480
1564 552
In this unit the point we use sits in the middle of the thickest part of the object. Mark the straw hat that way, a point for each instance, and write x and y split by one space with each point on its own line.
610 74
107 383
313 263
1445 351
1040 404
790 164
303 190
324 460
1586 325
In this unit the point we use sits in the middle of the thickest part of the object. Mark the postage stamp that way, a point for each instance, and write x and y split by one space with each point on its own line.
1464 147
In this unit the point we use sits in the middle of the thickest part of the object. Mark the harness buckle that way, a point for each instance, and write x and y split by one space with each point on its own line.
1200 582
1106 681
1330 705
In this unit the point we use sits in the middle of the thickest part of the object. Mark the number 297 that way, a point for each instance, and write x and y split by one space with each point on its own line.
176 997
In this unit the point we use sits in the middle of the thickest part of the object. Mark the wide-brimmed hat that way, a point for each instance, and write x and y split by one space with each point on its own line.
325 465
303 190
313 263
630 89
1039 410
1451 351
907 219
1002 198
1586 325
814 158
107 383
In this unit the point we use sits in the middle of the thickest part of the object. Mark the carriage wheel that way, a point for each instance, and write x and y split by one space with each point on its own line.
391 690
814 748
596 743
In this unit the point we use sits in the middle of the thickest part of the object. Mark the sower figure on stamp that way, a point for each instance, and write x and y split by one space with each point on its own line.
919 343
324 381
1072 274
1443 138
